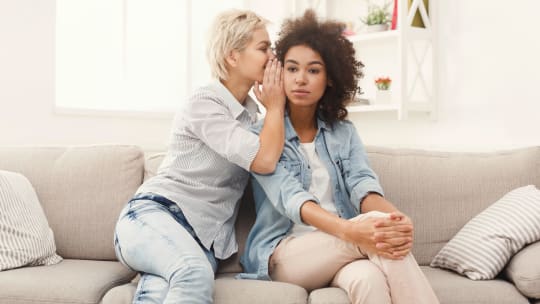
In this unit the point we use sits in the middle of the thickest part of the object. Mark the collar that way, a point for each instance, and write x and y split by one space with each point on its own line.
290 133
232 103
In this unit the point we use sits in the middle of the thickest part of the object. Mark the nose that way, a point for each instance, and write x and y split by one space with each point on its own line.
300 78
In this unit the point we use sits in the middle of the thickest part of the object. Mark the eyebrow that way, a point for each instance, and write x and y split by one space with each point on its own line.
265 42
309 63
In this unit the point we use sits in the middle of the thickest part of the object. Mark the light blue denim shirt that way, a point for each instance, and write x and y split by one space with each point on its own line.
279 196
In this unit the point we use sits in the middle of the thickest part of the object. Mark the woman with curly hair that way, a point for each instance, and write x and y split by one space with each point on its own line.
322 219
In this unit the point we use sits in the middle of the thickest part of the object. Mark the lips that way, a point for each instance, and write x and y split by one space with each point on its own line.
300 93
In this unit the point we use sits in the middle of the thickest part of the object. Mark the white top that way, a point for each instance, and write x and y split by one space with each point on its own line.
319 187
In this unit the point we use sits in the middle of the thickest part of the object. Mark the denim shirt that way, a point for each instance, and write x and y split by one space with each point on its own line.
280 195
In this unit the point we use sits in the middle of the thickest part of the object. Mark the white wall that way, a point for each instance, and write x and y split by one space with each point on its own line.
489 96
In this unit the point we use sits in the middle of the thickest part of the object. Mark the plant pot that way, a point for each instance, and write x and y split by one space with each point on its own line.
383 97
377 28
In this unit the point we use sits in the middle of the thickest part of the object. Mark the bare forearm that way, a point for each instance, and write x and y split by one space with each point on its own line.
375 202
313 215
271 140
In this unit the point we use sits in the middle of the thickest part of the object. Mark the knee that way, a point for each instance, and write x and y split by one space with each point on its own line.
191 270
371 280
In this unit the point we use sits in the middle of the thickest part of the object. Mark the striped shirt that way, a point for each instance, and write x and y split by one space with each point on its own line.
206 167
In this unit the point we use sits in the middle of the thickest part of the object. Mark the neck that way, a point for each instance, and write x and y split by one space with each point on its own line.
304 122
239 88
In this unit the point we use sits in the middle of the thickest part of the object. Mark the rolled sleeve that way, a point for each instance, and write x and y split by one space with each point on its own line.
284 192
361 190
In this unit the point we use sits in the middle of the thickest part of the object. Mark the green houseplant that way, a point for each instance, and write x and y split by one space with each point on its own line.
378 17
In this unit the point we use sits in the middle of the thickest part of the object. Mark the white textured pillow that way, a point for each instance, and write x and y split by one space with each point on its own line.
26 239
484 245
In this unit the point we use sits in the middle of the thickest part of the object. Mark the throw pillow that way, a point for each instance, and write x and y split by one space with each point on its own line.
524 271
26 237
484 245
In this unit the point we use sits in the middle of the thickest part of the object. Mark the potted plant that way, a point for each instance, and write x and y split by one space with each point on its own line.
383 94
378 17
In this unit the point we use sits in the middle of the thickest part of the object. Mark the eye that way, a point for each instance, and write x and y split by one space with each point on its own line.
264 50
292 69
314 71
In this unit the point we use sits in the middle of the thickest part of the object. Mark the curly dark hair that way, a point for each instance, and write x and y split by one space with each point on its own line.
337 52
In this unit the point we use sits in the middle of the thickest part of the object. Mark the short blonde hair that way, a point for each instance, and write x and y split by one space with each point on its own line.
231 30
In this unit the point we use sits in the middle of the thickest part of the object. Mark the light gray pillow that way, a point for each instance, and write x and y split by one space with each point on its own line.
524 270
484 245
26 238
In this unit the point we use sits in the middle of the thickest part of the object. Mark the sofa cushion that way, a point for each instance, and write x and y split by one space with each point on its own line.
442 191
26 239
481 249
70 281
524 270
330 295
82 190
228 289
453 288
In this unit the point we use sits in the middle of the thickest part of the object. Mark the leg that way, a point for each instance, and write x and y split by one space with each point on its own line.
151 289
364 283
151 240
311 260
407 282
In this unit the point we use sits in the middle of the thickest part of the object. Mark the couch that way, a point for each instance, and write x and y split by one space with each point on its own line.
82 190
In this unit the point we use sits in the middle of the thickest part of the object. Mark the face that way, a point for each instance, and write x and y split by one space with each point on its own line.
251 61
305 78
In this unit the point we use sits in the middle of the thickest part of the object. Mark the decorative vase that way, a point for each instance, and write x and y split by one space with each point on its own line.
377 28
383 96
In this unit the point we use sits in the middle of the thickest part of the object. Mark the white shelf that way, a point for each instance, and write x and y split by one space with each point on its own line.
373 108
377 36
408 55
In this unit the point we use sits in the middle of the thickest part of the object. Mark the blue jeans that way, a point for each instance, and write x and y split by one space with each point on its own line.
154 238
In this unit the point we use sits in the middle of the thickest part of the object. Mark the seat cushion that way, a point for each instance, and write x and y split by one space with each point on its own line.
330 295
232 291
70 281
452 288
228 290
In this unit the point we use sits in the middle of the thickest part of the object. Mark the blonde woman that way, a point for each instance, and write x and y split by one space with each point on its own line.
181 222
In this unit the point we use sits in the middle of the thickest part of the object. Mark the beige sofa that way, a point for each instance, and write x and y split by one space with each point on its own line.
82 190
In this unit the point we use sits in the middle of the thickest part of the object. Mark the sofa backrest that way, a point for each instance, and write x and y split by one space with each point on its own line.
440 191
82 190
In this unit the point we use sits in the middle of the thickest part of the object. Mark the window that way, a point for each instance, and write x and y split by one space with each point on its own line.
131 55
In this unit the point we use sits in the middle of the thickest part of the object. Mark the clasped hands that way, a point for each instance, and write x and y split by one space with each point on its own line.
390 237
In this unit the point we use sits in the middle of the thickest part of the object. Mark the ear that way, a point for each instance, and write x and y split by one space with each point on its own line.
329 82
232 58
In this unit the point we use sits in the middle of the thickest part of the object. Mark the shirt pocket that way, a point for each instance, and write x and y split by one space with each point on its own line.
344 165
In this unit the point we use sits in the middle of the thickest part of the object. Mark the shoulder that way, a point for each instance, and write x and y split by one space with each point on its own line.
343 127
204 100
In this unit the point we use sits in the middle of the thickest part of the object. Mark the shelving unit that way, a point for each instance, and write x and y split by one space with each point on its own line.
407 55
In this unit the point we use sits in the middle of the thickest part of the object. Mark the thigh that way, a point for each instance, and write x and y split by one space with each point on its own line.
151 240
364 282
311 260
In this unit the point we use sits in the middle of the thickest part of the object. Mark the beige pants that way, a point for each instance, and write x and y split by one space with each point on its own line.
318 259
